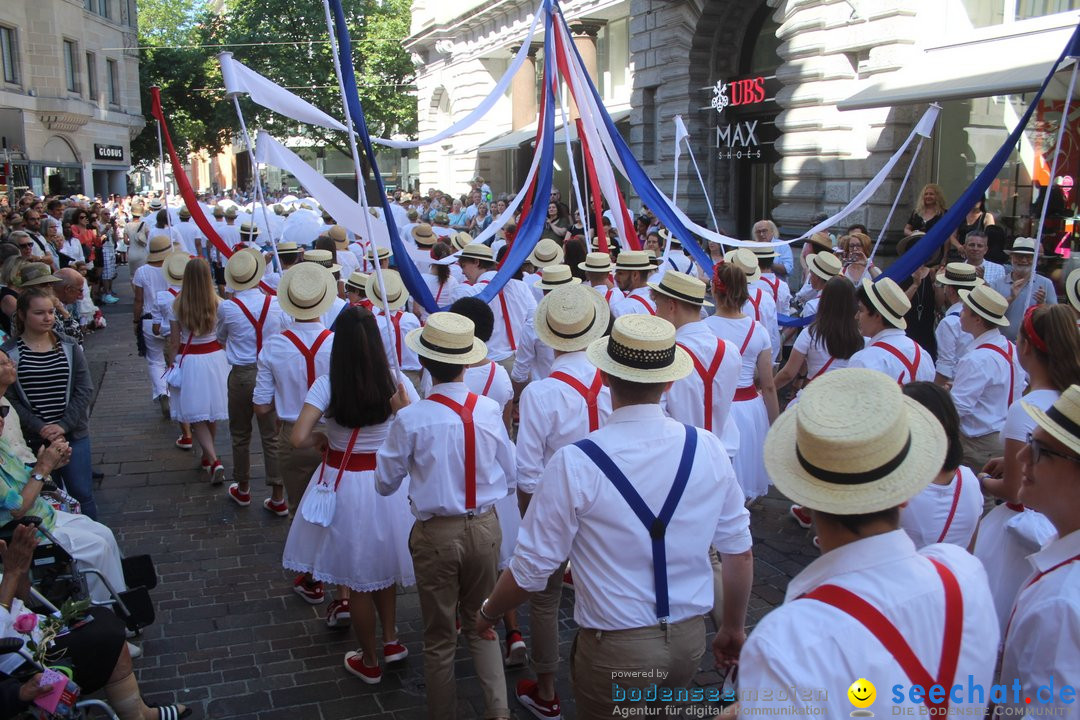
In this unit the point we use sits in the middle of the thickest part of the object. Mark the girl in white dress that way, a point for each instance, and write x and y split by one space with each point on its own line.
755 406
202 397
365 547
439 279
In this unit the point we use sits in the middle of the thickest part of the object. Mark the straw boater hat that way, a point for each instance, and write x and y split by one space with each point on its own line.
231 211
1022 246
959 274
36 274
244 270
288 248
987 303
665 235
322 257
854 444
547 252
184 213
905 243
556 276
1072 289
357 282
461 240
655 261
306 291
682 287
396 294
173 267
745 260
476 251
447 337
763 251
633 260
822 239
825 265
888 299
1062 420
597 262
642 349
570 318
219 212
249 231
156 204
383 253
423 235
160 247
340 237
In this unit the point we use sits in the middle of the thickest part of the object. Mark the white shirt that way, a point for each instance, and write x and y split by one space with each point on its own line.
348 263
406 322
489 379
282 374
748 336
230 235
552 415
781 293
992 271
578 513
161 310
152 281
817 355
636 302
1018 424
676 260
880 359
188 232
952 342
73 249
520 304
611 294
1042 644
330 316
685 401
762 308
928 513
237 333
983 384
810 644
427 443
533 358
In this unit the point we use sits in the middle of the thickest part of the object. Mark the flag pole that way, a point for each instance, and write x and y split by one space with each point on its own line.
259 196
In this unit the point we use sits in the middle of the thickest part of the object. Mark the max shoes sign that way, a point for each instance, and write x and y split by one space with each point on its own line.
738 140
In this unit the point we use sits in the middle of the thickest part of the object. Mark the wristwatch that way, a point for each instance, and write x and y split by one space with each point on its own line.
38 476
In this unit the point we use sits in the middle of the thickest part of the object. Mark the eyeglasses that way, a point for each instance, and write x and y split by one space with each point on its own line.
26 245
1038 449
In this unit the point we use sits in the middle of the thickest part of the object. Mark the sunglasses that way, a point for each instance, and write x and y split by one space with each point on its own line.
26 245
1038 449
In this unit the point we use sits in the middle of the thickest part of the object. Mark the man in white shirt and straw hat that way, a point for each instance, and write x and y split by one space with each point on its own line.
952 341
1042 639
642 583
454 448
632 271
533 358
598 268
882 306
918 624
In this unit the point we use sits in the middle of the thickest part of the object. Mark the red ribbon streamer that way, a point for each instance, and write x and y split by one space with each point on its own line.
594 190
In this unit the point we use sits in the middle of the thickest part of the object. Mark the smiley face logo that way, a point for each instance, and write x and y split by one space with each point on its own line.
862 694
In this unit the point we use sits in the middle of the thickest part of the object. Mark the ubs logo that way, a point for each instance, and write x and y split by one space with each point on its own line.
738 92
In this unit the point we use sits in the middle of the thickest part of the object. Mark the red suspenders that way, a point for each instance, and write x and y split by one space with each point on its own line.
911 365
589 394
707 375
308 353
756 302
506 316
465 412
952 510
644 303
1008 361
490 378
258 324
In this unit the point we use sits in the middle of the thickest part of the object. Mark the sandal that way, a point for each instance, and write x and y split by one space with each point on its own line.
169 712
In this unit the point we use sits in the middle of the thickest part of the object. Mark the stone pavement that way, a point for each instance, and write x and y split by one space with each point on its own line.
231 639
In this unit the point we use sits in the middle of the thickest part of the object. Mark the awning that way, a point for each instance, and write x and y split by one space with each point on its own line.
616 116
514 139
985 63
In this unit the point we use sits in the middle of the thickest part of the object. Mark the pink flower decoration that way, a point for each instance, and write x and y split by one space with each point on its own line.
26 623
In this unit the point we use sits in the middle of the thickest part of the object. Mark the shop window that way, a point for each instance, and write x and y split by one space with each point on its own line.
648 125
9 55
114 81
91 76
71 65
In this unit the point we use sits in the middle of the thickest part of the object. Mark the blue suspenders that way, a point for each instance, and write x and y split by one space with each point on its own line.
672 263
655 524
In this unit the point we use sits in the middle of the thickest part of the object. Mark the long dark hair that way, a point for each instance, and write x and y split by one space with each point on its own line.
438 252
937 400
835 321
360 382
574 252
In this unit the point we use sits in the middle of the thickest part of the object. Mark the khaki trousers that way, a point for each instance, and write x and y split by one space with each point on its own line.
296 466
241 410
979 450
605 664
544 623
456 562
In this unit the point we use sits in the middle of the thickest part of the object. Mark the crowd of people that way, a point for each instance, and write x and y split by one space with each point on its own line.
492 453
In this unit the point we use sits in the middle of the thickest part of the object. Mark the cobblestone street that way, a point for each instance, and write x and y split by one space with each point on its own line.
231 639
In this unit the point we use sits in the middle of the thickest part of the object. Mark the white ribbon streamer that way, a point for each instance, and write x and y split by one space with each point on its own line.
240 79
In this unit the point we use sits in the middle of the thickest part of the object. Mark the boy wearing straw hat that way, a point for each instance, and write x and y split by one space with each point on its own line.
598 268
632 271
546 253
454 448
533 358
853 451
1040 642
821 268
172 269
642 582
989 377
289 254
190 233
882 306
246 321
346 259
952 342
325 258
564 407
147 282
397 353
775 286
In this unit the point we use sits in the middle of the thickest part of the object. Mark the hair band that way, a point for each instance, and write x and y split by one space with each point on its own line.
1029 331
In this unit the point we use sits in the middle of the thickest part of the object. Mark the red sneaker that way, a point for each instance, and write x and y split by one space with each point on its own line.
568 579
337 614
217 473
394 651
243 499
515 649
528 694
801 516
354 663
184 442
310 590
279 508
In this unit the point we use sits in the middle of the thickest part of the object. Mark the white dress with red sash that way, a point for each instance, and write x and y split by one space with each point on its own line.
204 394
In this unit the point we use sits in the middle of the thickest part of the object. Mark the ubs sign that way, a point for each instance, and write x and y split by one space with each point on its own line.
739 138
108 152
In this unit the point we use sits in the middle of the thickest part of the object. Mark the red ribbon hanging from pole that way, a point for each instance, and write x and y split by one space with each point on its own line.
594 189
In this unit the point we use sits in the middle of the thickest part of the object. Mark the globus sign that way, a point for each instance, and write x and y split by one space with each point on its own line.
749 91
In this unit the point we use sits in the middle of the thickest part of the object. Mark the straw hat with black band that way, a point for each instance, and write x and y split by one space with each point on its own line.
160 247
570 318
825 265
357 282
987 303
1072 289
287 248
1022 246
449 338
306 291
383 253
960 275
244 270
1062 420
322 257
184 213
888 300
665 235
556 276
682 287
231 212
249 231
396 294
340 237
633 260
476 251
905 243
547 252
854 444
822 241
597 262
156 205
745 260
763 252
173 267
461 240
424 236
218 212
641 349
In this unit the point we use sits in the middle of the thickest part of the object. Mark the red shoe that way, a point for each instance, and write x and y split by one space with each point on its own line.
279 508
568 579
217 473
337 614
243 499
528 694
184 442
310 590
515 649
801 516
394 651
354 663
